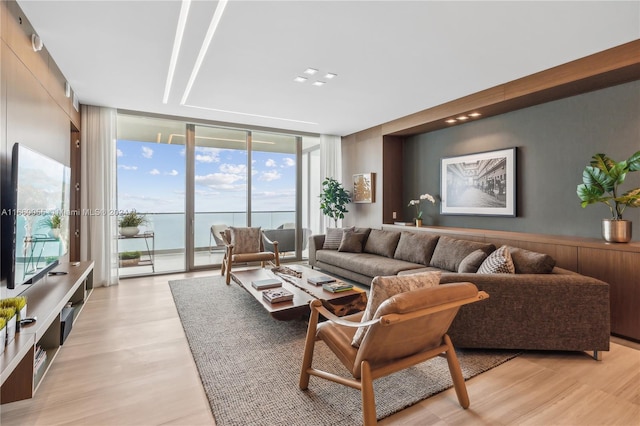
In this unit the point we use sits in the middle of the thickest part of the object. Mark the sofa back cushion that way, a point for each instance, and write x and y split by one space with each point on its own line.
472 262
352 241
333 238
416 247
531 262
450 252
382 243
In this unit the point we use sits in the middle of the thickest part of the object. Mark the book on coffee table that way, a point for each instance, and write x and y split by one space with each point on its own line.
337 287
266 283
320 280
277 295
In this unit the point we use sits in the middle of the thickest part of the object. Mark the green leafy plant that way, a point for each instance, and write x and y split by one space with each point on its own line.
14 302
333 199
53 221
132 220
128 255
7 313
601 180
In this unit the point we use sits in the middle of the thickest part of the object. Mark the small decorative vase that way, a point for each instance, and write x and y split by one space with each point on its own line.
418 223
616 231
129 231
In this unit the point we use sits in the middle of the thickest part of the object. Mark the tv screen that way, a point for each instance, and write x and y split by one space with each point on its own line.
41 203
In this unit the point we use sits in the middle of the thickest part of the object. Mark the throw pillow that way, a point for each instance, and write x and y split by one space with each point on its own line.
498 262
450 252
383 288
381 242
351 241
245 240
472 262
416 247
333 238
531 262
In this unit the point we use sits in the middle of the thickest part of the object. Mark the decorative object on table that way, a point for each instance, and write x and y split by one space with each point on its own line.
364 188
321 280
277 295
19 304
54 223
285 270
416 204
130 222
9 314
129 258
333 199
3 334
266 283
482 184
336 287
600 182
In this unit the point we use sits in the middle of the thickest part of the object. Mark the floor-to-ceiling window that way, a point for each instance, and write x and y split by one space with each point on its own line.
192 181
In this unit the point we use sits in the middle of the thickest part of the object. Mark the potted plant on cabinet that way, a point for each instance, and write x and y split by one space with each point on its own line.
3 334
129 258
9 315
19 304
130 222
416 204
601 180
53 222
333 199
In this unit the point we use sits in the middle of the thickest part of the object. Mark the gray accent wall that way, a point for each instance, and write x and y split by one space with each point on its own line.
554 142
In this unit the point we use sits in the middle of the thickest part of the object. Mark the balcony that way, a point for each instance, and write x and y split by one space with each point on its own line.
166 247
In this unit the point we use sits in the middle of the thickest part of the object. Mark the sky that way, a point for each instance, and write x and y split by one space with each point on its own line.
152 178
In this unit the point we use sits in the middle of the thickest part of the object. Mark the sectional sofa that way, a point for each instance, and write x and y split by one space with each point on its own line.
537 306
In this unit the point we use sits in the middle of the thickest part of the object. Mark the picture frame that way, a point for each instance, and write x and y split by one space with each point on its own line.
480 184
364 188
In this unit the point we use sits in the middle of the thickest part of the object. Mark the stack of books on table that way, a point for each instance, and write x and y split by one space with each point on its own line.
321 280
277 295
266 283
337 287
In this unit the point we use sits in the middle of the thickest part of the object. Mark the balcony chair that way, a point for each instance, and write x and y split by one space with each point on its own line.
407 329
216 236
245 245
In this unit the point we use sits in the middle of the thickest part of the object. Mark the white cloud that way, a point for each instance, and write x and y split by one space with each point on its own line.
154 172
119 153
270 163
147 152
233 168
125 167
172 173
208 155
270 175
289 162
219 180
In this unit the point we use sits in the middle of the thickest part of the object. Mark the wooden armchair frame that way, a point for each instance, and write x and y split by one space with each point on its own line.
231 257
369 371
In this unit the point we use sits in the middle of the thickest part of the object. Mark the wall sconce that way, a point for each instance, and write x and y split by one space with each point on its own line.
36 42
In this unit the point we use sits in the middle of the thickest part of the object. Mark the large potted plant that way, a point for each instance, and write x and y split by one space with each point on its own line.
601 181
334 199
130 222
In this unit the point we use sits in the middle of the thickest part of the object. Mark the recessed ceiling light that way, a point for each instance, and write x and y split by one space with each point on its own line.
475 114
319 83
300 79
310 71
177 42
462 117
330 75
450 121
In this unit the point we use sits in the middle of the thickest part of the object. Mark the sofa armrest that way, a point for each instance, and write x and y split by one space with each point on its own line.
315 243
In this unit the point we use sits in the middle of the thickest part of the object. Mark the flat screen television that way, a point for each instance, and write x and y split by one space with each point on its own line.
40 208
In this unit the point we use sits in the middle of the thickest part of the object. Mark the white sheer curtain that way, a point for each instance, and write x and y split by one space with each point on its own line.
330 166
98 193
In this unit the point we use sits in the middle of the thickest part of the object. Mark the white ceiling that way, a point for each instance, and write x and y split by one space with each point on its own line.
392 58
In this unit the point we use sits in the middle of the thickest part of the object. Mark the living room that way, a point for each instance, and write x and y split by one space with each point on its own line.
557 116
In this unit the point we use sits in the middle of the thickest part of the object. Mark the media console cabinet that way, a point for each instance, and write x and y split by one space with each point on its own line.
45 300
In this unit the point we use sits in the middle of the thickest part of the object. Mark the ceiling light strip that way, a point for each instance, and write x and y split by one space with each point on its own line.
177 42
217 15
251 115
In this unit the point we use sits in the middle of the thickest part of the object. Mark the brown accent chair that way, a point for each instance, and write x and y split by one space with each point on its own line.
408 328
232 255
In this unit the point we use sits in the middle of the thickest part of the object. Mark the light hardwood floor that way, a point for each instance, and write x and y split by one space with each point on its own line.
127 362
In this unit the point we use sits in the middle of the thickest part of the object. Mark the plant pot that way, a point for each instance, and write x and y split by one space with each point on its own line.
129 262
616 231
129 231
418 223
20 315
3 339
54 233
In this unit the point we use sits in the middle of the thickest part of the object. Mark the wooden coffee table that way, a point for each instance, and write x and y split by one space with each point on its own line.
342 303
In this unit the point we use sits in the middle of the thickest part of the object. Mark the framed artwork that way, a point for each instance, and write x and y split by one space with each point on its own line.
364 188
482 184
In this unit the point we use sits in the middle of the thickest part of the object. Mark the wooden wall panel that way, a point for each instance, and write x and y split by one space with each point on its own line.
391 179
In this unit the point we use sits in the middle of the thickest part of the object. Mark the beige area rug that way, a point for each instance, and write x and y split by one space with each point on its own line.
250 363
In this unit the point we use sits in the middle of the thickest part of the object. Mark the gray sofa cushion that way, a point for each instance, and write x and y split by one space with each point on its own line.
367 264
351 241
450 252
333 238
381 242
530 262
472 262
416 247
